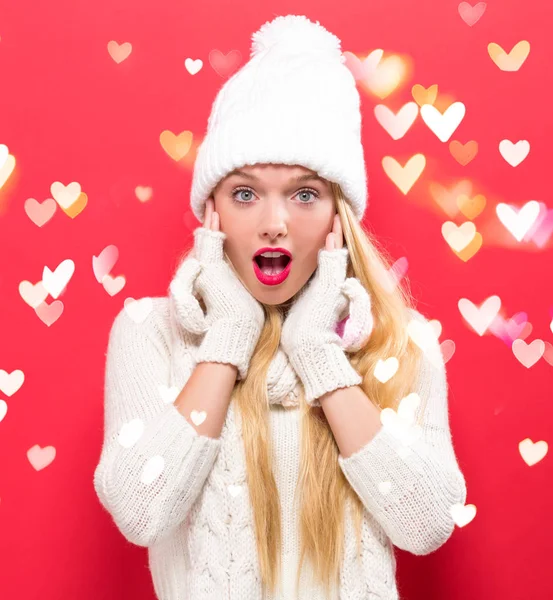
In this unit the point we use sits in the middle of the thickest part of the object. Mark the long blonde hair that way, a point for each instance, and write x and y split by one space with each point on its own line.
323 486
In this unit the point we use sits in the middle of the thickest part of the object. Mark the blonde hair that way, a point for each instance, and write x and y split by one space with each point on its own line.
323 486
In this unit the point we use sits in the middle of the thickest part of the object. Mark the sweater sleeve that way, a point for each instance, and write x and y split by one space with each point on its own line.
409 489
153 462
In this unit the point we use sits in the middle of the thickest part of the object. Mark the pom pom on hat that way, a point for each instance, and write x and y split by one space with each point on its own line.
293 32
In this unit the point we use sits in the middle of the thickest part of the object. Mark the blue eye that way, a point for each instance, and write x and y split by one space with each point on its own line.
244 203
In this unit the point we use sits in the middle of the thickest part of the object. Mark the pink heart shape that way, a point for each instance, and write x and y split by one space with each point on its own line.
49 313
223 64
528 354
41 457
40 213
104 263
471 14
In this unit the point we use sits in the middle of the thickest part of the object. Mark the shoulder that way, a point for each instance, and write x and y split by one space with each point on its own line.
146 318
432 364
415 314
427 332
427 340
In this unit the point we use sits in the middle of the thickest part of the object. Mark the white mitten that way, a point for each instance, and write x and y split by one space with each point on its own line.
234 318
309 337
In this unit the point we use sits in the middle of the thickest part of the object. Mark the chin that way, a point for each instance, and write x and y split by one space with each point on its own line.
275 302
273 297
278 297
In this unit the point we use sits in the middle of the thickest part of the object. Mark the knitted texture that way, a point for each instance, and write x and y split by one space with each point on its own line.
234 318
309 336
295 102
184 495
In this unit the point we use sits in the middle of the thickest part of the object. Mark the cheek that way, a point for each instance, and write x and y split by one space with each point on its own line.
309 237
234 247
309 252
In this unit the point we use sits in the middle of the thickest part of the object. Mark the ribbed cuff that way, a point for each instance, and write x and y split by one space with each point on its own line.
322 370
230 342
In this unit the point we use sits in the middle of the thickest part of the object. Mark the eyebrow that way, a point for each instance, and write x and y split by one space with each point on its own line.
298 179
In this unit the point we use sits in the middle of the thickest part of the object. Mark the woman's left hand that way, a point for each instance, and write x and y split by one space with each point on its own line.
309 335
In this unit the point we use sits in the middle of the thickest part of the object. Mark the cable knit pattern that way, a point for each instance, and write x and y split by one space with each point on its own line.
184 495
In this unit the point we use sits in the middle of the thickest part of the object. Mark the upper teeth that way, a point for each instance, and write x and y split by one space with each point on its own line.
272 254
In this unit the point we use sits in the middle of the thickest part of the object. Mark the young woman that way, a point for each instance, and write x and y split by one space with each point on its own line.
251 441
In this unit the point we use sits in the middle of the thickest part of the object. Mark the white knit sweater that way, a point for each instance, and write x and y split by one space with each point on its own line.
184 495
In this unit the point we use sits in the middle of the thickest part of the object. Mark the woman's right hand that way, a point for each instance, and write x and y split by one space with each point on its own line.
224 295
234 318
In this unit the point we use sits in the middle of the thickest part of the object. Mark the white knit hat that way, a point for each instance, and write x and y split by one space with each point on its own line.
295 102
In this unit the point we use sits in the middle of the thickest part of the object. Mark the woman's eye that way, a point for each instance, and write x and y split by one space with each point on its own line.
305 192
242 192
306 197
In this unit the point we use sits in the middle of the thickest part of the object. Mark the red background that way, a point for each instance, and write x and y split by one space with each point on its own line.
69 112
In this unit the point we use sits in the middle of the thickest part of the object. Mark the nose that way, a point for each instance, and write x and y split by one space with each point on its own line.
273 220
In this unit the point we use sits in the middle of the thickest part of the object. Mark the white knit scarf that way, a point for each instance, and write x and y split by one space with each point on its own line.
283 385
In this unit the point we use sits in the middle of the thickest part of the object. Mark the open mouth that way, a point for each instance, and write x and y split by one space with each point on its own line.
272 266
